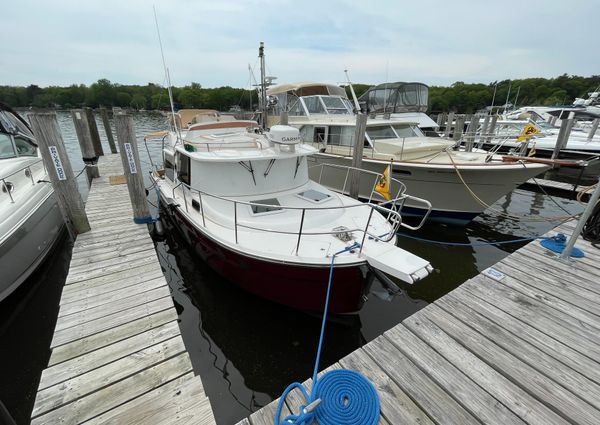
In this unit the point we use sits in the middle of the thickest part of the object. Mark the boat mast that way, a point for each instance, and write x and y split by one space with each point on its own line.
263 86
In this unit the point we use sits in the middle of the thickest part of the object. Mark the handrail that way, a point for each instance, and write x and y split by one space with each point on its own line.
8 187
393 214
21 169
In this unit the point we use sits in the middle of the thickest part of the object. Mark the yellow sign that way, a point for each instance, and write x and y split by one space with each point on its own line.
383 184
528 131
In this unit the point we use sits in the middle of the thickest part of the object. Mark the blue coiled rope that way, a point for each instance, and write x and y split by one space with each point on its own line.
339 396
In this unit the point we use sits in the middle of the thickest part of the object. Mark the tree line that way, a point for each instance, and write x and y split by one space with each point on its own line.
459 97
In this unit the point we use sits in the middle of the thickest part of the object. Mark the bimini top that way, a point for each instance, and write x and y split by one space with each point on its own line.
308 89
396 97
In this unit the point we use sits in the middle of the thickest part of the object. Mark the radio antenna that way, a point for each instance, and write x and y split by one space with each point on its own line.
167 75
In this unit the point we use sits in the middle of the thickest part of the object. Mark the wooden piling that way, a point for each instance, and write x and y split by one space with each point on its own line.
89 112
449 124
108 130
357 154
47 133
84 136
563 135
484 128
492 128
593 129
440 119
131 166
459 127
471 130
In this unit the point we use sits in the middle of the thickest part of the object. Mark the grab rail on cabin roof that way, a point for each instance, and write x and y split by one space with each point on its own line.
393 211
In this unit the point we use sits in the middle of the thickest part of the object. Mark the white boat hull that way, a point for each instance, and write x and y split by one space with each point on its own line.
29 243
452 200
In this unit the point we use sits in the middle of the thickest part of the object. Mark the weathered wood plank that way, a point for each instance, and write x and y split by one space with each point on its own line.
108 354
116 394
553 322
545 364
266 415
590 301
113 268
107 322
524 286
178 402
551 346
112 297
55 396
128 276
395 405
439 405
550 393
88 315
479 403
110 336
485 375
91 295
544 263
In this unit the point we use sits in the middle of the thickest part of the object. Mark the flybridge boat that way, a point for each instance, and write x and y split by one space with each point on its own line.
243 199
30 220
459 184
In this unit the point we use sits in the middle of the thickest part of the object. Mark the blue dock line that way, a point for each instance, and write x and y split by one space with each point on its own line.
339 396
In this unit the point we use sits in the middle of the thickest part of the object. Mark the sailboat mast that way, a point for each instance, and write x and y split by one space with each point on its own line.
263 86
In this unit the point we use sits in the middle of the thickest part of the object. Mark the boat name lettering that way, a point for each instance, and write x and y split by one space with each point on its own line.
130 158
58 166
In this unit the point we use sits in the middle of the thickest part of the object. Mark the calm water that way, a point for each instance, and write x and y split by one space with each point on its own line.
247 350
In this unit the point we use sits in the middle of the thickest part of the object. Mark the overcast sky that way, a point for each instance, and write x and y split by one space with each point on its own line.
63 42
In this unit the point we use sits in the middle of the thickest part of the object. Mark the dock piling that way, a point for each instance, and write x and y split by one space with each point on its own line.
563 135
47 133
357 154
593 129
449 124
108 130
131 167
84 136
459 127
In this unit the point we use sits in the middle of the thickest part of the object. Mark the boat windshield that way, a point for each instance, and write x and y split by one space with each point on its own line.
327 105
381 132
336 105
7 149
395 131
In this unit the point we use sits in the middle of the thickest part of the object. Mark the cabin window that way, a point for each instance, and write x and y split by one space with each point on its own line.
342 136
25 147
406 131
314 195
6 146
269 205
184 172
381 132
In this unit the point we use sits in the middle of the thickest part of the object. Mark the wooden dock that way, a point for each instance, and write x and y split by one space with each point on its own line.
519 343
561 189
117 352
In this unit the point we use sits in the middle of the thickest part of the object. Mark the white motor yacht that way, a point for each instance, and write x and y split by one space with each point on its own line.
460 185
244 201
30 219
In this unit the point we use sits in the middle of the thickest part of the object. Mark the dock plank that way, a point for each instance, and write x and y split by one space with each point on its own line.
117 352
545 390
440 406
